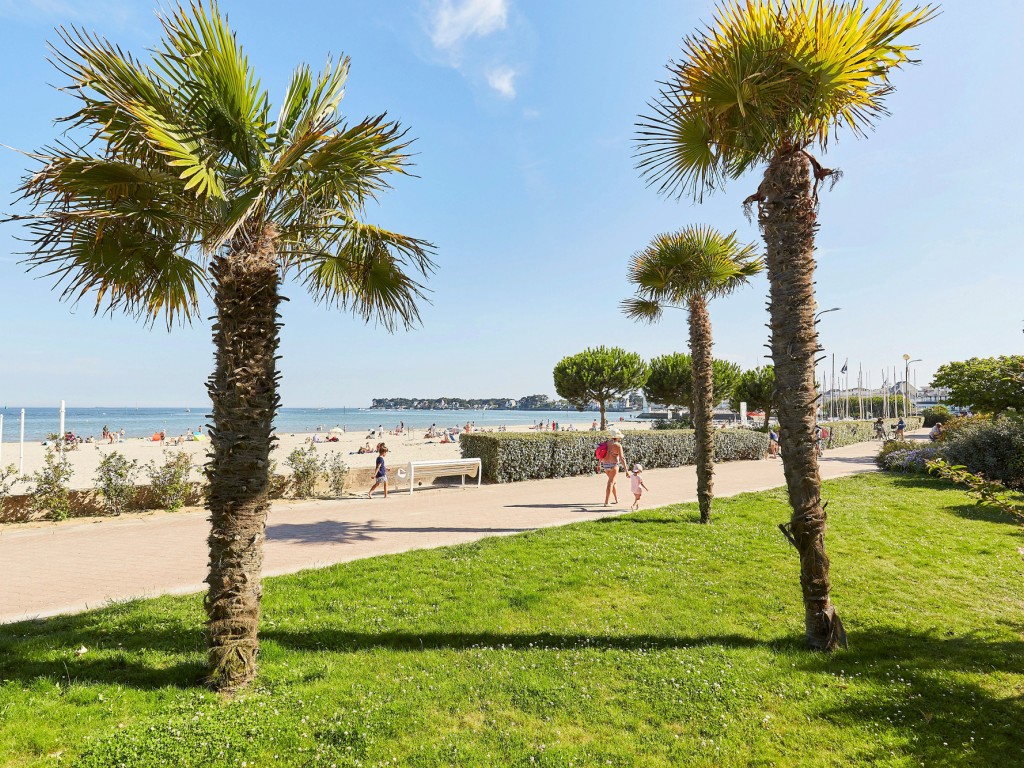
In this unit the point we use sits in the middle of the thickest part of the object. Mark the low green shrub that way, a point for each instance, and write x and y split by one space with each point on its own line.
679 422
307 467
50 493
169 481
513 456
937 414
8 477
993 448
337 471
115 481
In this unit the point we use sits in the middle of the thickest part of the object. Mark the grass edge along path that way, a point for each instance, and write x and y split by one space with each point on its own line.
636 640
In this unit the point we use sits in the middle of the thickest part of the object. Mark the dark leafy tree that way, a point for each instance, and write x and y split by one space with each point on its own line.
986 385
178 182
756 388
671 380
598 375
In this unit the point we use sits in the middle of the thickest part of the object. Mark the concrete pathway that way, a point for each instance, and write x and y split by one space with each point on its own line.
68 567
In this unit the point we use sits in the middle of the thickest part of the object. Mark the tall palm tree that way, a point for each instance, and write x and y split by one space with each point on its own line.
176 182
687 269
768 82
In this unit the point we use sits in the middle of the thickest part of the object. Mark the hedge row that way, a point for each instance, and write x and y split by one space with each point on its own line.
508 457
849 432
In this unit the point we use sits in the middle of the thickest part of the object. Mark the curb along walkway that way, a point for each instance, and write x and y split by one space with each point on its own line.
54 569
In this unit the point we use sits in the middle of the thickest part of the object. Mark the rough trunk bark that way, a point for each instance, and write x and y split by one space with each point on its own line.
703 404
788 220
243 389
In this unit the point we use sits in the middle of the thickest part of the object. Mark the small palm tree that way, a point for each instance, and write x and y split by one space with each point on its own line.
178 182
687 269
765 83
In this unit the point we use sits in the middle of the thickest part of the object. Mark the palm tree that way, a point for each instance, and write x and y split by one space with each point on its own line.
687 269
178 182
765 83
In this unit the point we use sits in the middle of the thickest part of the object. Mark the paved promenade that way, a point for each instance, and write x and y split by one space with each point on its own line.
50 569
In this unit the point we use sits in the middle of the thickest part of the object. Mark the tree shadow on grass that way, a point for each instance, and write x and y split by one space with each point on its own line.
967 511
344 532
920 689
143 655
936 692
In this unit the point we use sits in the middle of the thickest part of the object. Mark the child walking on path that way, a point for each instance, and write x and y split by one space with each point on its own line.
381 476
636 484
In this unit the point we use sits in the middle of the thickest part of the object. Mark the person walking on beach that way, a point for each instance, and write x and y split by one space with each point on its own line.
380 477
609 462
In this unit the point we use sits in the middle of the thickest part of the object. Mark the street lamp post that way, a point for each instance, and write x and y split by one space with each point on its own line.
906 381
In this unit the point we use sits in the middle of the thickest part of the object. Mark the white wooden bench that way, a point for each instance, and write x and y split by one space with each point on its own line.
428 470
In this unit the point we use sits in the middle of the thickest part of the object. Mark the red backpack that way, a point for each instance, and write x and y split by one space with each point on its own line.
602 450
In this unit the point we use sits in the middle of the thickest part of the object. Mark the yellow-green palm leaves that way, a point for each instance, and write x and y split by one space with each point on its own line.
695 262
767 75
168 158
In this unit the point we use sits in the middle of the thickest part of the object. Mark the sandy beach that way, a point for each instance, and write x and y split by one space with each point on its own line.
403 448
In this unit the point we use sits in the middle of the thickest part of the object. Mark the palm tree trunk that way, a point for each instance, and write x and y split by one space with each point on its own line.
788 220
703 404
243 389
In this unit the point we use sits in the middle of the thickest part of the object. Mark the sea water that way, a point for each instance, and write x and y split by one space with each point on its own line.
143 422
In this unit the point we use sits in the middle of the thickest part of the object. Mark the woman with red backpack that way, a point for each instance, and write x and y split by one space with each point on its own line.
610 457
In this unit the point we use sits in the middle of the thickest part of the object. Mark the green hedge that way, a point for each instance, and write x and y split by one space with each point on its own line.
512 456
849 432
509 457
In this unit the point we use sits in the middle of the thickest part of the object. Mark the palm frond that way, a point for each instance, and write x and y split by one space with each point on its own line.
368 271
695 262
121 262
203 63
642 310
765 75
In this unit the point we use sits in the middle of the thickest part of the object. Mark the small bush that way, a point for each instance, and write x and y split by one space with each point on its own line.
993 448
679 422
115 480
169 481
8 477
890 447
937 414
307 468
337 471
910 460
50 494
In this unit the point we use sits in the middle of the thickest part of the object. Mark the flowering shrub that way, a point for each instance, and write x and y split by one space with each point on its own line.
910 460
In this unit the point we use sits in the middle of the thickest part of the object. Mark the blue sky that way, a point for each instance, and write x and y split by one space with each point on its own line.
523 114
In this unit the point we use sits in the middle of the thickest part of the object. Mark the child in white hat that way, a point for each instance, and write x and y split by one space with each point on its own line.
636 484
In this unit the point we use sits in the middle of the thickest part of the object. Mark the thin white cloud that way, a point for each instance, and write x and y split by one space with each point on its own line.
456 22
503 80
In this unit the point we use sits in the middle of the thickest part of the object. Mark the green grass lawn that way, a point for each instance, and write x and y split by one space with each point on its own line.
643 640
